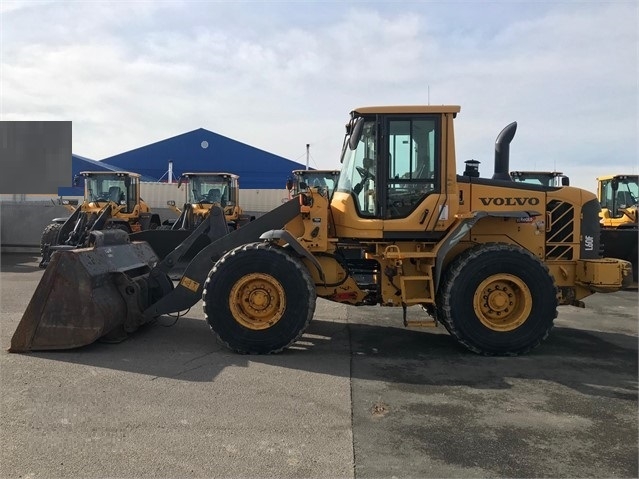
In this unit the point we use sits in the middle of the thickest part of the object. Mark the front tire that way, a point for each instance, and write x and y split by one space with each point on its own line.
50 236
497 300
118 225
258 299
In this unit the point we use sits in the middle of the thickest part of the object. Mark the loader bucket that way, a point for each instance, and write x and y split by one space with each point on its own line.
86 294
164 242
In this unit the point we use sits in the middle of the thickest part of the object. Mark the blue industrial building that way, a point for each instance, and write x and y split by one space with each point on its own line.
203 150
81 163
78 164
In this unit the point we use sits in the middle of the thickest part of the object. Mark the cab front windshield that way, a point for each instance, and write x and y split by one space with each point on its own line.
358 168
104 188
544 180
209 190
541 178
317 179
620 192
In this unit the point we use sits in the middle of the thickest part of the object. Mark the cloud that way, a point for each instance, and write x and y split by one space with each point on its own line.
7 6
281 75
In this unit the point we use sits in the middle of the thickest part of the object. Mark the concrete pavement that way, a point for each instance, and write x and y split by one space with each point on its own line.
359 396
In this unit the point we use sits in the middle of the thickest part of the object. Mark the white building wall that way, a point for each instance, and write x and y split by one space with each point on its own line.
23 217
157 194
259 201
21 198
262 200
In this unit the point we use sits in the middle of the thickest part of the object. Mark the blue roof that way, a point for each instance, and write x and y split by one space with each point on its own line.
203 150
81 163
78 164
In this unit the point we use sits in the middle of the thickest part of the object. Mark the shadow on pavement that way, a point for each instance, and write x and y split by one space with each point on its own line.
593 363
19 262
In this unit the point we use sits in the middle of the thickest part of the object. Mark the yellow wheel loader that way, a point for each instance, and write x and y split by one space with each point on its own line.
301 180
205 191
620 234
546 178
489 258
111 201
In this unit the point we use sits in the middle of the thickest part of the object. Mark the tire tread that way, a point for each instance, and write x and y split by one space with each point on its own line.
297 264
453 272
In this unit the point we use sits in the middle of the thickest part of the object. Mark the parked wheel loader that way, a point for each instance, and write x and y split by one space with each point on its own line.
547 178
303 179
111 201
620 234
205 190
489 258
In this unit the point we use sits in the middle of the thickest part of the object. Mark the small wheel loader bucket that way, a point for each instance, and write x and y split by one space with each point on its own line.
86 294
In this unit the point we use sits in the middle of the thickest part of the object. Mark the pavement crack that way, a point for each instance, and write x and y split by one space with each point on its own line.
201 356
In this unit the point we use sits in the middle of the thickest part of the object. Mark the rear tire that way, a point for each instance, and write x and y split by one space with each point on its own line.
118 225
497 300
50 236
258 299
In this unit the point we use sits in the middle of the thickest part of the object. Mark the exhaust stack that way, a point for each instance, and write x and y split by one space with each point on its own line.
502 152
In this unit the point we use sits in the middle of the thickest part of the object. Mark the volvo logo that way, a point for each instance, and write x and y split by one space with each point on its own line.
510 201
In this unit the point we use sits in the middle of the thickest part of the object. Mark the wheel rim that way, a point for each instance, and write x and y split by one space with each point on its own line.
502 302
257 301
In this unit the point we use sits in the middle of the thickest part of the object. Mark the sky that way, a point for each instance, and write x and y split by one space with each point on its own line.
281 75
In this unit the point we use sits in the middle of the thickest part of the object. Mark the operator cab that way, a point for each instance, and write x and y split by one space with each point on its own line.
396 162
543 178
324 180
391 163
210 188
117 187
618 194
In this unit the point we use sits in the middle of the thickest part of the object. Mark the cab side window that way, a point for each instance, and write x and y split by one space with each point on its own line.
412 164
607 197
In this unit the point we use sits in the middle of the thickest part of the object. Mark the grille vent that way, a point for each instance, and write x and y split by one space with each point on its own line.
560 235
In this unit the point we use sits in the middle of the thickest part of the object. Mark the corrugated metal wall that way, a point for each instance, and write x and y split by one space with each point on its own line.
204 150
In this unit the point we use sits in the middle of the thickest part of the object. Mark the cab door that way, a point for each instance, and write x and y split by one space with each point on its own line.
412 164
411 200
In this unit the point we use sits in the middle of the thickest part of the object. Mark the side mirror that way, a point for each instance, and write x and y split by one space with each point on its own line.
127 182
356 134
614 184
180 181
289 184
565 181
